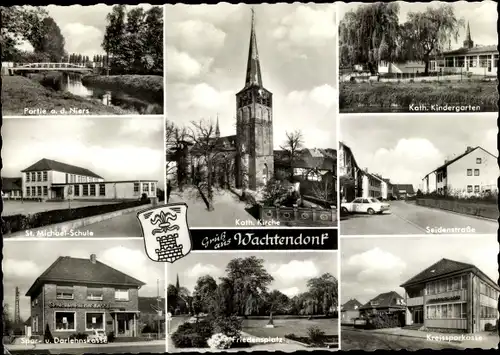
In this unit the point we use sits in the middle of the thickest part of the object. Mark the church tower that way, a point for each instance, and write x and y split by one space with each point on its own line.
254 123
468 43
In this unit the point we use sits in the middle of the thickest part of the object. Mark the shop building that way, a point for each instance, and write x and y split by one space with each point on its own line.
81 295
452 295
52 180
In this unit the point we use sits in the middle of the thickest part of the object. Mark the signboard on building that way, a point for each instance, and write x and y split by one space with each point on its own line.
78 305
444 299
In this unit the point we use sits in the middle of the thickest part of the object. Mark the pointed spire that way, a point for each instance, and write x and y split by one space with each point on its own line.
177 284
468 32
253 66
468 43
217 130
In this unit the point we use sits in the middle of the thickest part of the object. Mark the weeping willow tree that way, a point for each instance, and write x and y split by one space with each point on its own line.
369 35
429 32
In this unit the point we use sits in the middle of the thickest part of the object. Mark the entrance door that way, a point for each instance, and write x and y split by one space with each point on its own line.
418 316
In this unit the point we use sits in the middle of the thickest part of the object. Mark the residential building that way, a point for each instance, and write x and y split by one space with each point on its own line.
350 311
473 59
403 191
388 302
12 188
452 295
471 173
373 185
81 295
408 67
351 181
52 180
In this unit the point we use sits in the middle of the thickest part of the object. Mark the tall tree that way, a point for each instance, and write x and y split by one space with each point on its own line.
115 31
324 290
292 147
428 32
133 43
50 41
204 291
153 37
369 35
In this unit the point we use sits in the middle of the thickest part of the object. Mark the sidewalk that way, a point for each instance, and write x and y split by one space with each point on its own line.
488 340
44 346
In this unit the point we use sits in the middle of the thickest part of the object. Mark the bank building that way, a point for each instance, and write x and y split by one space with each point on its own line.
453 296
75 296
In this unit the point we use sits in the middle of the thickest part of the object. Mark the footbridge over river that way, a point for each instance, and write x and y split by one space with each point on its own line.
66 67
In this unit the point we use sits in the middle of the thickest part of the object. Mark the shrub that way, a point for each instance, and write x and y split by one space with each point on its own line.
220 341
17 331
78 336
382 320
316 335
19 222
47 336
231 326
275 192
192 335
489 327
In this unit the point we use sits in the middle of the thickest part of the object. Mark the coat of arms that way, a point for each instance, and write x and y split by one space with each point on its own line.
166 232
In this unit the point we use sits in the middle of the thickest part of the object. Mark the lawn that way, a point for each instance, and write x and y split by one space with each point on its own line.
387 97
297 326
20 93
29 207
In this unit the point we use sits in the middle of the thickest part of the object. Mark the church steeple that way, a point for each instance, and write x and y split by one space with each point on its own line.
217 130
254 77
468 43
177 284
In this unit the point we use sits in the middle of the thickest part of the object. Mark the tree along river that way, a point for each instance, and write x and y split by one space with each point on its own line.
139 102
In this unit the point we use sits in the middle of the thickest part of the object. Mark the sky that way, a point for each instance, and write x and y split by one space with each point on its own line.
482 16
207 52
371 266
116 148
24 261
83 27
404 148
290 270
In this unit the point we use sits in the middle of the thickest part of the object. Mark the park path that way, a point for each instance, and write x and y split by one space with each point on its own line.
228 209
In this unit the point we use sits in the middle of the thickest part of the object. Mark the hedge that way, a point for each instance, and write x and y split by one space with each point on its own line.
20 222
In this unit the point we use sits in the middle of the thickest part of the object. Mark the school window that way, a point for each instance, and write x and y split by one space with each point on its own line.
153 187
94 321
102 189
28 192
469 172
39 190
33 190
476 172
92 190
85 190
483 61
478 160
45 191
476 188
77 190
121 295
44 175
136 187
33 176
145 187
469 188
65 321
94 294
64 293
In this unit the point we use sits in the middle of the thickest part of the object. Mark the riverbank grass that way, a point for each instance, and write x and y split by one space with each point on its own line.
149 86
22 96
358 97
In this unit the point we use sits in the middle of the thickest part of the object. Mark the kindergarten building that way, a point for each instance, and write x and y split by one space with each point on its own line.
82 295
52 180
452 295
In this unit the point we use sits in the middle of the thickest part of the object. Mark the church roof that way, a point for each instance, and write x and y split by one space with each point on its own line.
253 75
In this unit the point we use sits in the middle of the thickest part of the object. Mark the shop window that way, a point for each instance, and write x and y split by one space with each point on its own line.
65 293
456 310
121 295
94 321
65 321
94 295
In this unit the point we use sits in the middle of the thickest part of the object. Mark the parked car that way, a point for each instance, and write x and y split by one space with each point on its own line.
98 337
368 205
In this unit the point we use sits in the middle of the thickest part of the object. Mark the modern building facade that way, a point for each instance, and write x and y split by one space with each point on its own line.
350 311
52 180
452 295
471 173
81 295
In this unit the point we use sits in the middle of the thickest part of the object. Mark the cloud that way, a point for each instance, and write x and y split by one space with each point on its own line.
376 264
293 270
18 269
203 96
188 34
202 270
181 65
140 125
307 26
324 95
290 292
87 44
409 155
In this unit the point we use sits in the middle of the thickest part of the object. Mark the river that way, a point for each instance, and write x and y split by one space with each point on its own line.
138 103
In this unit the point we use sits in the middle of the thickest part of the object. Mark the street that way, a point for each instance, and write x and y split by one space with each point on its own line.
157 347
408 218
368 341
124 226
228 209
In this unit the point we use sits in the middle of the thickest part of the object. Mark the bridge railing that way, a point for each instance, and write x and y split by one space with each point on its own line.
50 65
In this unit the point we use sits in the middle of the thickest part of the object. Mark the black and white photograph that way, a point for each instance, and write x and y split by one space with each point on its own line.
82 60
75 297
442 295
80 176
418 174
251 129
261 301
418 57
